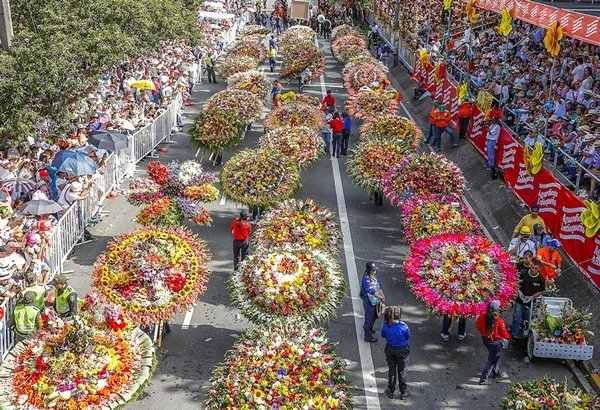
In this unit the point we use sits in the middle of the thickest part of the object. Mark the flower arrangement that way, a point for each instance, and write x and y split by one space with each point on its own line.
216 130
280 368
300 57
364 59
152 274
370 160
295 115
251 81
568 328
367 74
426 216
243 105
344 30
295 35
255 29
396 128
293 98
287 285
302 223
458 275
91 362
300 144
251 46
547 393
344 48
425 174
260 177
173 192
233 64
370 103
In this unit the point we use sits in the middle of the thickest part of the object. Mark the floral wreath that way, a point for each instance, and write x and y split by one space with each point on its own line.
396 128
301 144
301 56
366 74
458 275
296 35
370 103
238 103
251 81
216 130
295 115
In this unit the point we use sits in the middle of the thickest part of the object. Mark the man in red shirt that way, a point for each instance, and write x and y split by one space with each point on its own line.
241 230
492 329
465 112
329 102
337 126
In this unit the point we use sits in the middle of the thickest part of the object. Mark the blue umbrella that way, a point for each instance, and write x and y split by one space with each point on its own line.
74 163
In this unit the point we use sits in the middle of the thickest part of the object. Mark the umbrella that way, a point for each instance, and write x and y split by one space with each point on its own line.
18 185
74 163
42 207
108 140
5 174
144 85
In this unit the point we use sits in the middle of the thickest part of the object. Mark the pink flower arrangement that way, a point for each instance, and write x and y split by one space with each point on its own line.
459 275
301 144
370 103
366 74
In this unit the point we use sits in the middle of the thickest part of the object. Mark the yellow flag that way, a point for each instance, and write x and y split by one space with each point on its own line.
472 11
506 23
553 36
447 4
423 57
461 90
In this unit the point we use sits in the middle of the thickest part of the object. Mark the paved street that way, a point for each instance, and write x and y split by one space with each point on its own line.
442 375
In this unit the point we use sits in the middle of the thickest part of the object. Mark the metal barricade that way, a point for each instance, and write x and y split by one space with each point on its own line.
7 335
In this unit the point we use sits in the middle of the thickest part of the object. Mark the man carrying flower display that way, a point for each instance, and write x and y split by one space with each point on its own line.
240 229
531 286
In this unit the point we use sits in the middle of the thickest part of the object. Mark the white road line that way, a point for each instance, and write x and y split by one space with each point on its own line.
187 319
364 349
223 199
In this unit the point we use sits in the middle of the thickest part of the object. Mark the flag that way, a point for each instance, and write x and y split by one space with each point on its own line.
553 36
461 90
472 11
506 22
423 57
439 73
447 4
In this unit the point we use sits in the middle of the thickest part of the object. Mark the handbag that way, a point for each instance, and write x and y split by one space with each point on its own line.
379 309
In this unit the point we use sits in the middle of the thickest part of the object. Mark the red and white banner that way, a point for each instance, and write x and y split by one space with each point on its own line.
444 91
576 25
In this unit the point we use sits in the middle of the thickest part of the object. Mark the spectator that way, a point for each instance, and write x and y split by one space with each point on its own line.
73 192
491 140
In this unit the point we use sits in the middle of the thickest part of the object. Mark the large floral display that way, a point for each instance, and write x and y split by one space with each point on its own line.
370 160
260 177
250 45
97 361
295 35
302 223
251 81
302 56
295 114
233 64
396 128
216 130
287 285
344 30
243 105
152 274
172 192
547 394
301 144
459 275
344 48
368 103
425 174
426 216
365 74
275 368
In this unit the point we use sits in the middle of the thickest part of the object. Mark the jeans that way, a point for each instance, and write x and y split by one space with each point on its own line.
494 349
240 250
462 325
210 73
490 147
337 144
330 109
463 125
370 318
438 131
430 134
345 140
327 138
520 314
397 360
272 63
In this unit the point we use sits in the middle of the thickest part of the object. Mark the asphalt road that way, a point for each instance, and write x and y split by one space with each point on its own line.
442 375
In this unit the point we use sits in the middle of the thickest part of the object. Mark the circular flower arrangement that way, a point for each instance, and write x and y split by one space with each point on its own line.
152 274
347 47
547 393
295 115
233 64
371 103
287 285
296 35
255 29
173 192
395 128
360 60
240 104
251 46
280 368
216 130
370 160
300 57
251 81
300 144
301 223
425 174
344 30
366 74
86 363
293 98
260 177
426 216
459 275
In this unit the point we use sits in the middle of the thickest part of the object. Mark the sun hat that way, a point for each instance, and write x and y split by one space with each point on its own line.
588 137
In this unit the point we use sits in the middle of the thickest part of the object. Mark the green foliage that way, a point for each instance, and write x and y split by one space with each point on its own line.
43 74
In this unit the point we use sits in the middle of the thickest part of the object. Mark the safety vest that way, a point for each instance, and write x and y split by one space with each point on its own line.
465 110
442 119
26 319
40 295
61 304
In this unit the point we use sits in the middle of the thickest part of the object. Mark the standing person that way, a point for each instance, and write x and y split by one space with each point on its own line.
38 290
65 298
241 230
329 102
303 79
465 112
346 132
272 43
210 69
531 286
337 126
275 91
530 220
396 334
550 259
540 237
491 140
27 317
518 246
431 131
326 28
492 329
442 124
462 326
326 133
272 54
371 295
385 55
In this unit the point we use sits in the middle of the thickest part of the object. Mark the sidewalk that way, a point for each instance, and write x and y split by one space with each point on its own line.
498 208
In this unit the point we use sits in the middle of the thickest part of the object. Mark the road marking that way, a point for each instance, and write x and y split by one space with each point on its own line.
223 199
187 319
364 349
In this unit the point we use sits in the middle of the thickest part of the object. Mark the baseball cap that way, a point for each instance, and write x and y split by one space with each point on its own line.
554 242
494 305
535 208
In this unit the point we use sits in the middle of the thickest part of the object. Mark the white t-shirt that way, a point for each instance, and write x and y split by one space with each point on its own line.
521 246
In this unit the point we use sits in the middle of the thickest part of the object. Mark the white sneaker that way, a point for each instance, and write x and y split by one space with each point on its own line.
462 337
445 337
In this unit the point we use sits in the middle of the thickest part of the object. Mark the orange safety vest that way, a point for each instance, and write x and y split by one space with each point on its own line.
432 115
442 119
465 109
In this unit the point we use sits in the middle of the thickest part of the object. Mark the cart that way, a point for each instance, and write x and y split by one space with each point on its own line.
537 348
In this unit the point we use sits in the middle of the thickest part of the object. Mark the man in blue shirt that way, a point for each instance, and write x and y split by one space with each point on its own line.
396 334
346 132
371 295
272 43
